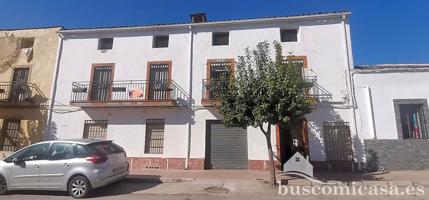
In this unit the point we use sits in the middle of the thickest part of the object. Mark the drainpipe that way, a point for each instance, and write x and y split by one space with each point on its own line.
188 135
350 82
370 111
47 135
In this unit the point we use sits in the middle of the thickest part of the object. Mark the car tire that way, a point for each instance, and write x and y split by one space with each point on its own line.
3 185
79 187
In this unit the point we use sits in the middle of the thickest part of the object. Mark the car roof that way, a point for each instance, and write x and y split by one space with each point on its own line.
78 141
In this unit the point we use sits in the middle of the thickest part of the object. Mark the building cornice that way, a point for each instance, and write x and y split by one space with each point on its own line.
206 24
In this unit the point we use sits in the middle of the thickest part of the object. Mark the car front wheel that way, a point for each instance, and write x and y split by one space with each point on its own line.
3 185
79 187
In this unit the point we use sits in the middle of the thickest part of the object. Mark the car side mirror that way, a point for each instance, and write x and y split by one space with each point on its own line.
17 161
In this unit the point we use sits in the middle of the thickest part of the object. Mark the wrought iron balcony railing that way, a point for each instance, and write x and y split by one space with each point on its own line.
20 94
207 94
314 90
130 92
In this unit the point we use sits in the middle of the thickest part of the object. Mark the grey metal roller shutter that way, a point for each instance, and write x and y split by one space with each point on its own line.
226 148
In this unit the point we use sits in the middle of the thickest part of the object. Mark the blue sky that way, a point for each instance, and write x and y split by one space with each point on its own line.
382 31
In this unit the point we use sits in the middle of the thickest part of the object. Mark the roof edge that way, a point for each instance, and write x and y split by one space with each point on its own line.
391 68
210 23
33 28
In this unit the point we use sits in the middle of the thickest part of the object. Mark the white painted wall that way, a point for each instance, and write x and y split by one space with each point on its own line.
321 40
385 87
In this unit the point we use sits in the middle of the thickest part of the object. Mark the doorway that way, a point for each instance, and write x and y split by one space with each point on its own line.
292 139
159 81
101 83
19 90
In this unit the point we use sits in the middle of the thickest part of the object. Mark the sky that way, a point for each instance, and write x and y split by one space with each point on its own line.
389 31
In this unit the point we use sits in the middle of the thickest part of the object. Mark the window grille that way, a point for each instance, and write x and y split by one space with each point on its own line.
95 129
154 140
338 142
10 135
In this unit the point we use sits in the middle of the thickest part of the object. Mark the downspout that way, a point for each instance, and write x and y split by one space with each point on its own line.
351 84
188 135
370 111
47 135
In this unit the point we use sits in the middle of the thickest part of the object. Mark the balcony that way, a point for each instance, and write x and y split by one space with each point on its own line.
209 99
314 91
128 93
18 94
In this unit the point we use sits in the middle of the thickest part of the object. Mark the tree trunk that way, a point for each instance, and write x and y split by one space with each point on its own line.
272 167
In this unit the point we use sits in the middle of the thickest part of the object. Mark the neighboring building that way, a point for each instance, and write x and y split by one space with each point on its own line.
27 63
145 87
393 115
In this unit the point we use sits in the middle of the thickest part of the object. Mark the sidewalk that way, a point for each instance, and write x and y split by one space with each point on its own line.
400 178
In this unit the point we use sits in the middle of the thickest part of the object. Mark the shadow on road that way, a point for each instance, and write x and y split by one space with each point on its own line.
119 188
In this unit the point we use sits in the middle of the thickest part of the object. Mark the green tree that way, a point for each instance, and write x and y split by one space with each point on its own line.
263 92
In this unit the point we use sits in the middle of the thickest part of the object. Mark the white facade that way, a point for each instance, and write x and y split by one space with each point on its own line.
323 39
392 111
385 84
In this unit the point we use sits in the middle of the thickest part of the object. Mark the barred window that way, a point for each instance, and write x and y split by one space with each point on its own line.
338 142
9 135
154 140
95 129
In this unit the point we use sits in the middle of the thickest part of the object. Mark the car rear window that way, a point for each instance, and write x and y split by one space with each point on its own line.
106 148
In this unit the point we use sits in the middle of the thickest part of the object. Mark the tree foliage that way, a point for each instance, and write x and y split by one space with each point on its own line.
265 90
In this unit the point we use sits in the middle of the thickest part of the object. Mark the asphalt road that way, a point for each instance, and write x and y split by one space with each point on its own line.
127 190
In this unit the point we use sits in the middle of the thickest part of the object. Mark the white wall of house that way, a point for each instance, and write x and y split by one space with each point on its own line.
320 39
384 87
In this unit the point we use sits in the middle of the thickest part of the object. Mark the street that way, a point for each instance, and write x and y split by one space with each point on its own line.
185 191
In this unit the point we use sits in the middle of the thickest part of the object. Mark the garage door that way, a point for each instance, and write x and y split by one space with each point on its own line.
226 148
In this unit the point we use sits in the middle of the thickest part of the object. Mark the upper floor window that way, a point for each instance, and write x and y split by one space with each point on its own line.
220 38
160 41
289 35
27 43
105 43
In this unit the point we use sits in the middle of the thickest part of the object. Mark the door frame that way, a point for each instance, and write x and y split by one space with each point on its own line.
94 65
21 67
12 81
206 94
303 136
149 63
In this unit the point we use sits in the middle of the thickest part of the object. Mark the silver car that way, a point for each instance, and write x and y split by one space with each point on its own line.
76 166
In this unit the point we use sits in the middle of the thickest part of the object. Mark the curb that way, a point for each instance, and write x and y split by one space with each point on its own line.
157 180
137 179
